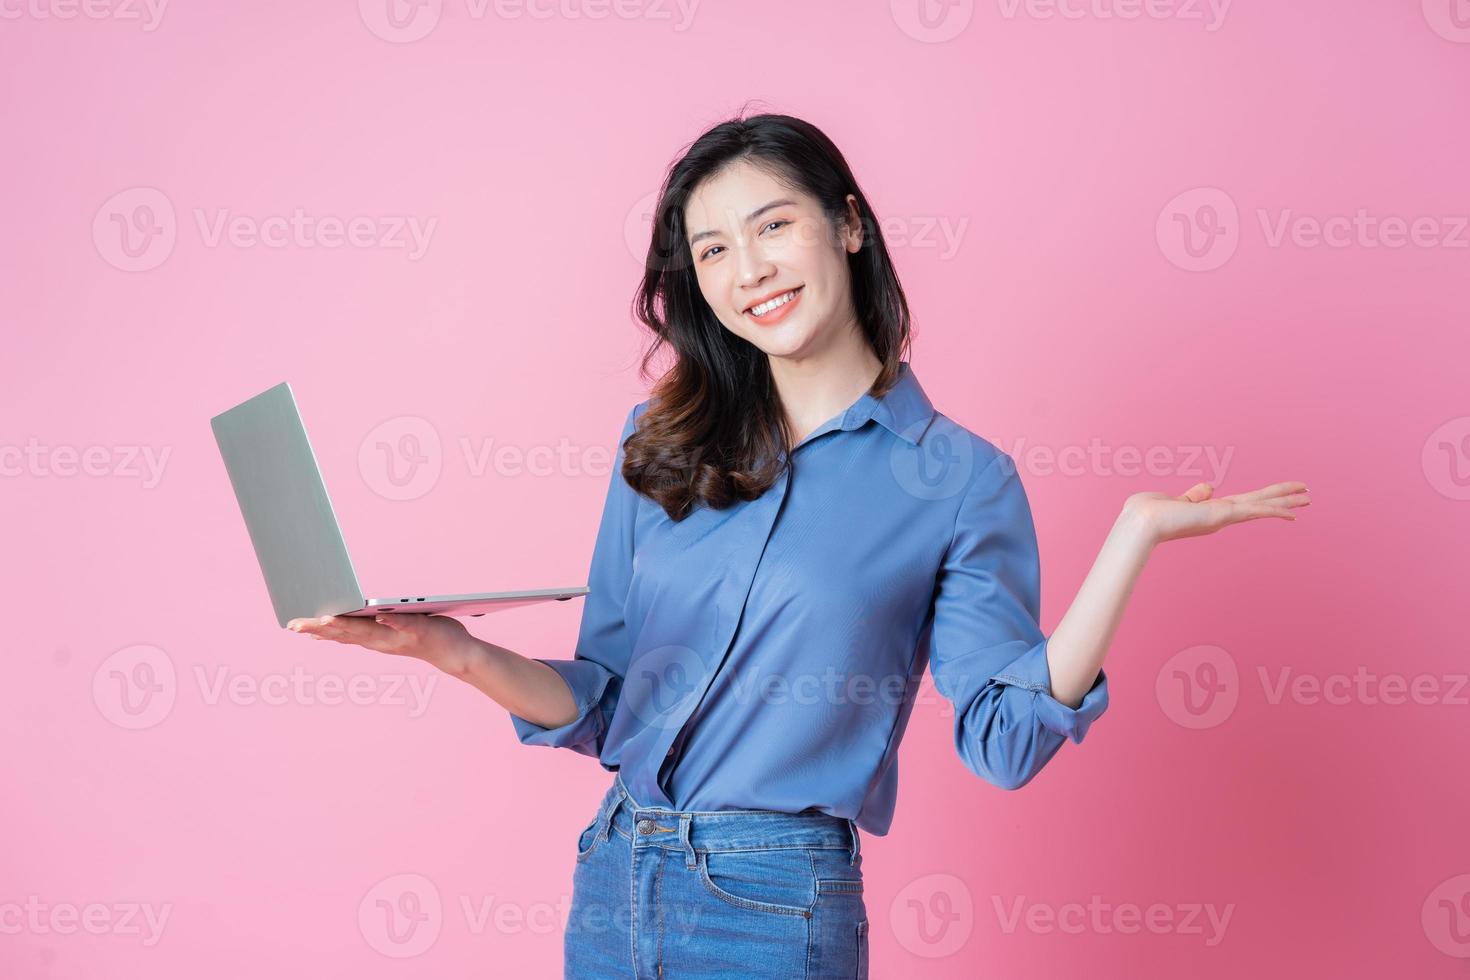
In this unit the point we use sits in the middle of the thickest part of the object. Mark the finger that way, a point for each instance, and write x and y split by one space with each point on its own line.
315 625
1274 490
1288 501
345 629
1251 512
1197 493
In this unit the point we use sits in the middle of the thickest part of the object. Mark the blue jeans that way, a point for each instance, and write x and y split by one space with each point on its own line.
733 893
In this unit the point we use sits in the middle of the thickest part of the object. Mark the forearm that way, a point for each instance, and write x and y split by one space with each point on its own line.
1080 642
524 687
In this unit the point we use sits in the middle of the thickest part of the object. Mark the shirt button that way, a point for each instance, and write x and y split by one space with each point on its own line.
645 827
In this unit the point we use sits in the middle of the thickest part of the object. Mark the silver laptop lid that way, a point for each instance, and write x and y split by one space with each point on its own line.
286 509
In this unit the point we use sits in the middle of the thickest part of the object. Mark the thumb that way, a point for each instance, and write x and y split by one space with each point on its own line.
387 619
1199 492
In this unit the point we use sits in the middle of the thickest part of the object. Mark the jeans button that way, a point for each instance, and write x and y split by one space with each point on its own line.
645 827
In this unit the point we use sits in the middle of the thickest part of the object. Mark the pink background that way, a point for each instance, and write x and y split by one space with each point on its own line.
1063 155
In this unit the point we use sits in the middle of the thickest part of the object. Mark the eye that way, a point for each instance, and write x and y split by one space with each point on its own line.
715 248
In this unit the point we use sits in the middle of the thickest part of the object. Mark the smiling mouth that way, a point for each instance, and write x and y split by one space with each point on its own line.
786 298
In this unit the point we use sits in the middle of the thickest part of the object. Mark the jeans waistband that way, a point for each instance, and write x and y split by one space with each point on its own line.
722 830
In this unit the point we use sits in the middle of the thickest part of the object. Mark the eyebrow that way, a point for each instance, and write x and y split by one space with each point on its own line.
748 218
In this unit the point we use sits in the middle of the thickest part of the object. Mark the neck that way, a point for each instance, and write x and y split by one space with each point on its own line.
815 388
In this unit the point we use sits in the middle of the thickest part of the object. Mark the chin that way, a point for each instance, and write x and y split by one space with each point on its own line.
782 339
778 345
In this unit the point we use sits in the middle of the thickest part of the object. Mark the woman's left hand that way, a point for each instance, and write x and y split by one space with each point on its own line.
1197 512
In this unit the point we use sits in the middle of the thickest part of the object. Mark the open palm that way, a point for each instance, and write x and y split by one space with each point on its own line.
1198 512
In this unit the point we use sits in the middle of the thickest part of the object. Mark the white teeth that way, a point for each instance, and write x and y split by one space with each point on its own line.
765 308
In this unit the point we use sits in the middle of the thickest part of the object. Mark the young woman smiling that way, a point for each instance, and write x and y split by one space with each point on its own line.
792 533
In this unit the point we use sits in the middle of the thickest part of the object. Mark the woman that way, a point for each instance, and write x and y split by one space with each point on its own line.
791 534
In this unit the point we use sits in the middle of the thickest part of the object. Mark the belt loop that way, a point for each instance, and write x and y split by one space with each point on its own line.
856 847
691 860
604 819
609 810
627 793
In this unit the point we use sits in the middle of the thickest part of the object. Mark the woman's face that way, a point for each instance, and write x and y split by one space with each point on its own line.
753 239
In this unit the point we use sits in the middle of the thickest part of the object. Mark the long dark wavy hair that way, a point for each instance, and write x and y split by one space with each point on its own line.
714 431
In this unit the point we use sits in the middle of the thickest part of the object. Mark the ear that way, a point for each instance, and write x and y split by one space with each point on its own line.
852 238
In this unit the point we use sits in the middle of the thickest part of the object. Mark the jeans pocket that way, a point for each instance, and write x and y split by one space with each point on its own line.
862 950
837 875
778 881
588 840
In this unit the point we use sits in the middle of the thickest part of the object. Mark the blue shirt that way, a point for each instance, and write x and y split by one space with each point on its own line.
767 656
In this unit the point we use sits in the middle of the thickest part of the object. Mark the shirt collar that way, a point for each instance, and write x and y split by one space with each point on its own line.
904 409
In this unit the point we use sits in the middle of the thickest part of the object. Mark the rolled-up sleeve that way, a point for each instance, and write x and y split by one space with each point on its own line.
987 653
595 673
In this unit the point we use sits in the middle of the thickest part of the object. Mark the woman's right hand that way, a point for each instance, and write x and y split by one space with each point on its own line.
526 688
439 640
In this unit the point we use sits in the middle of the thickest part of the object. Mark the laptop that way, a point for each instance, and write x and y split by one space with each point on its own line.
294 529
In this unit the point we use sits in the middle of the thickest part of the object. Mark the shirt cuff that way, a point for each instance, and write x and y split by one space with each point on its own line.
1032 672
587 682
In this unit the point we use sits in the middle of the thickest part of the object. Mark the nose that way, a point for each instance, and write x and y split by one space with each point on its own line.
754 266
